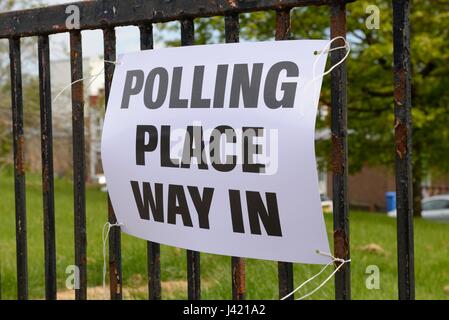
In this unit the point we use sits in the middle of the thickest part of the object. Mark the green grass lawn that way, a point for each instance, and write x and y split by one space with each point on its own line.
373 242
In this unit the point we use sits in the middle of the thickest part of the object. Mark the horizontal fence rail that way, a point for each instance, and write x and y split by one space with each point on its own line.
102 14
108 14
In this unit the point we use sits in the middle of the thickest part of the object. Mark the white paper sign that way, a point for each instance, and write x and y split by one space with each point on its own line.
211 148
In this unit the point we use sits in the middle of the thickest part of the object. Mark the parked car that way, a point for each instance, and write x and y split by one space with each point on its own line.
436 207
326 204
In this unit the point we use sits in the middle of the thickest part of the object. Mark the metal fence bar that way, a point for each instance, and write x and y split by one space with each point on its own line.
153 249
19 168
115 251
47 167
154 270
339 130
238 273
238 278
79 187
193 257
283 25
403 139
285 269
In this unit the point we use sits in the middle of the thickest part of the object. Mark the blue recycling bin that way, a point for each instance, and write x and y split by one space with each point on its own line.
390 199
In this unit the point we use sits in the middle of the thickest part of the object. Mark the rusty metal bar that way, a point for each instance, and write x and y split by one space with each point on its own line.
153 249
403 139
109 14
193 275
232 28
187 32
79 187
154 270
285 269
340 152
115 251
238 278
19 168
283 25
47 167
232 35
193 257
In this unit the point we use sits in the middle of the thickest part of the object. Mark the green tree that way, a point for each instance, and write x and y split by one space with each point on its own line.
370 78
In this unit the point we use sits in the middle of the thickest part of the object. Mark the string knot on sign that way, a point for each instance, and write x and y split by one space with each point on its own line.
328 49
341 263
312 84
105 234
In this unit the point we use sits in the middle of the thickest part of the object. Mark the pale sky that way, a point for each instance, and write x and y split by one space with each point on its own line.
127 40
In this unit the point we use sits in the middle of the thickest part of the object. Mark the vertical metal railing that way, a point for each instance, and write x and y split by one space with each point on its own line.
285 269
115 250
79 186
238 273
193 257
19 168
47 167
403 140
153 249
339 129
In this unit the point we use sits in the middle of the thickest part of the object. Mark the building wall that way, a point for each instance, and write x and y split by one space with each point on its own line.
367 188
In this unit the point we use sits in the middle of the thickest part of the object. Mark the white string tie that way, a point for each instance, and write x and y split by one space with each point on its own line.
93 77
342 262
107 226
326 49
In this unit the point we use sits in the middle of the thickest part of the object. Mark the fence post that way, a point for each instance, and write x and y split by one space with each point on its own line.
232 35
19 168
285 269
47 167
340 151
79 187
115 252
153 248
193 257
403 141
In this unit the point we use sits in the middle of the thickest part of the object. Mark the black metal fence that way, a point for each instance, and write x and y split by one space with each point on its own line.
108 14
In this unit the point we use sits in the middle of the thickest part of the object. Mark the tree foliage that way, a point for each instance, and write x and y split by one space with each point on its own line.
370 77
